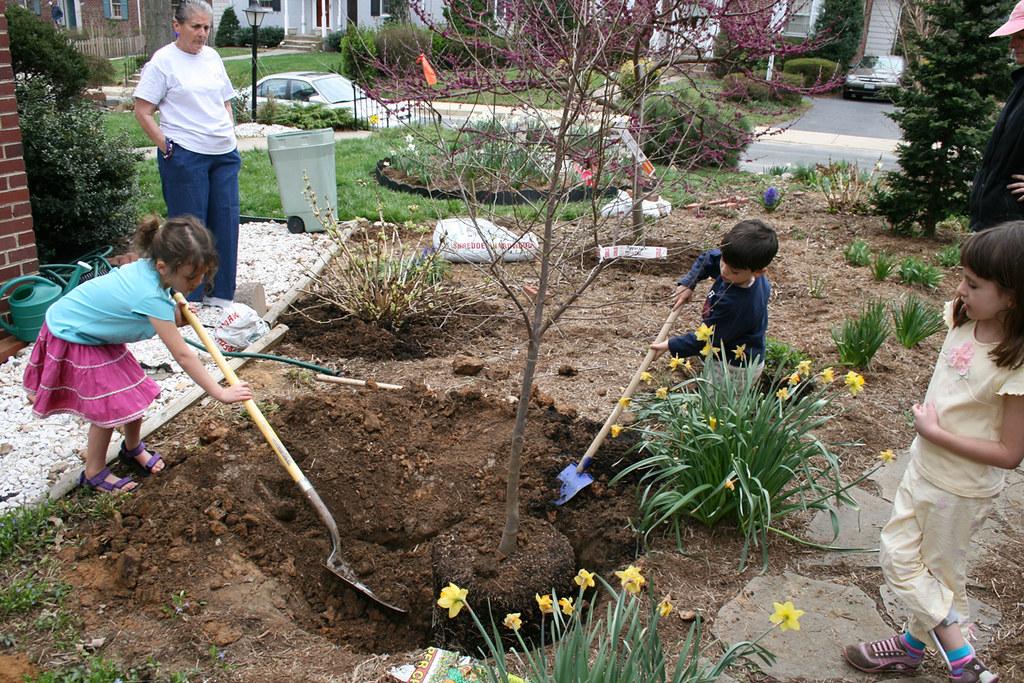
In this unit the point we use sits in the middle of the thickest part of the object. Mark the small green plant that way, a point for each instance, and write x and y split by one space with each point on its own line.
845 187
914 271
28 528
817 286
858 253
181 607
914 321
25 593
780 357
806 175
859 339
949 257
882 266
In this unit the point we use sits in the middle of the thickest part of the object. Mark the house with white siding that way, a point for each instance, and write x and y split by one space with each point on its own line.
320 17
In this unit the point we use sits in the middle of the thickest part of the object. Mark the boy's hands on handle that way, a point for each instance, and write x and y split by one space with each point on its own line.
681 296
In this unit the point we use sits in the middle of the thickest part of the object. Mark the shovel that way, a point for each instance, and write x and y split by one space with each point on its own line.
574 478
334 563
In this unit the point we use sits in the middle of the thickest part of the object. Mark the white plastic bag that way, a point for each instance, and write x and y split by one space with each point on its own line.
623 204
238 327
460 241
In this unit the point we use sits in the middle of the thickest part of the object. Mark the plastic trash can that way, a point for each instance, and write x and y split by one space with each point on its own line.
309 153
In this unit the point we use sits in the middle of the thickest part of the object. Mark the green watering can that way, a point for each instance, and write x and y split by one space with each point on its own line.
32 295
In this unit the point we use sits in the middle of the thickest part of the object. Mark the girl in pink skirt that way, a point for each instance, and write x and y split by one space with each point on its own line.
81 364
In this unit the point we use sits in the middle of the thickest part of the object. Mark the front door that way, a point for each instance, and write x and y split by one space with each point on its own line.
323 10
353 12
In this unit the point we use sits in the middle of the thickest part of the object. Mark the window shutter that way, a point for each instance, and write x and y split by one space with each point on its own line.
374 8
106 9
124 8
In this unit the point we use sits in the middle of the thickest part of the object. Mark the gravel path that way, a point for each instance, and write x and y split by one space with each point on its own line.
34 452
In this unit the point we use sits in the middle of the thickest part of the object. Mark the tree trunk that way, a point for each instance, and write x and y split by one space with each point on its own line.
156 24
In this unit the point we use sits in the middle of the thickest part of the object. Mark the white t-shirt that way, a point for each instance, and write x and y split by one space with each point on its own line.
967 389
190 92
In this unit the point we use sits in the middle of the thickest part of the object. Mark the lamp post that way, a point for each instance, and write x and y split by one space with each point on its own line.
254 15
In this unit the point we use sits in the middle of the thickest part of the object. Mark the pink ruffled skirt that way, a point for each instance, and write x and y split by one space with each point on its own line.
104 384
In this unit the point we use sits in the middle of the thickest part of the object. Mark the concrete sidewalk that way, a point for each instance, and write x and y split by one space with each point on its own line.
814 139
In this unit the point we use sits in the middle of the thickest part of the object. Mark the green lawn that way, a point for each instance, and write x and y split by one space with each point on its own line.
240 70
124 123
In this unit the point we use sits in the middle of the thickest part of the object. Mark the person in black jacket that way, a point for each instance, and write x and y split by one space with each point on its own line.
998 191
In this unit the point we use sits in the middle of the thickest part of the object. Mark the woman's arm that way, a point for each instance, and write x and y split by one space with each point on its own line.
1006 453
144 115
190 363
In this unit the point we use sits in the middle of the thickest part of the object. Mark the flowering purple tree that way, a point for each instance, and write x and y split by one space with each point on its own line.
594 90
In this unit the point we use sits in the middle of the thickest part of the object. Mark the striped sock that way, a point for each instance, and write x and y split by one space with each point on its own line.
959 658
913 646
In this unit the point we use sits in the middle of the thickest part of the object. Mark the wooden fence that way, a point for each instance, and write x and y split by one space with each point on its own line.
111 47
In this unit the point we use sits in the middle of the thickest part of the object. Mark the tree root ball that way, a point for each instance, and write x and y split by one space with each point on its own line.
466 555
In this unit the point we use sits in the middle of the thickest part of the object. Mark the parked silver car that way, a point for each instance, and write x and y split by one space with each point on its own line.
305 88
874 77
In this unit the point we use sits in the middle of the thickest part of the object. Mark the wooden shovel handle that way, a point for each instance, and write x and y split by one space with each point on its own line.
599 439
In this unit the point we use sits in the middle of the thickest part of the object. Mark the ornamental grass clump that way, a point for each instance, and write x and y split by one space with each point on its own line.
605 635
882 266
858 253
949 256
730 453
914 271
859 339
914 321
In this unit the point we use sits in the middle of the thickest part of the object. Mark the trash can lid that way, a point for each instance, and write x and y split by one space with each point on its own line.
300 138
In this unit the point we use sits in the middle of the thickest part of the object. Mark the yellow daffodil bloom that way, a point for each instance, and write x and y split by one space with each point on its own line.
730 484
887 455
674 363
544 602
804 367
584 579
646 377
615 431
783 394
566 605
374 119
665 608
794 378
854 382
452 599
828 375
513 621
704 333
740 352
624 401
709 350
662 392
786 616
631 578
713 423
688 365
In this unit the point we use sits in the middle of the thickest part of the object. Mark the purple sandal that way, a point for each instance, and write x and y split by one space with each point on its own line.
130 455
100 483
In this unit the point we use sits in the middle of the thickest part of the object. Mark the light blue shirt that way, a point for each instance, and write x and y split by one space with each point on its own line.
114 308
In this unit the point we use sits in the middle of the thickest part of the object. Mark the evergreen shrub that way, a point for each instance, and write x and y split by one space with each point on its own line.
228 29
398 46
841 24
813 70
359 54
687 128
38 50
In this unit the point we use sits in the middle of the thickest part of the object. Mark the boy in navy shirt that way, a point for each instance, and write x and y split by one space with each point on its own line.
735 316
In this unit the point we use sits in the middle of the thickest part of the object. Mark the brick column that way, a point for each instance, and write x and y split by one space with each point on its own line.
17 241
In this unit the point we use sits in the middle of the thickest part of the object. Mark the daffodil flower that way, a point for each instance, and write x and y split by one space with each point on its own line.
544 603
452 599
713 423
854 382
887 455
512 621
665 608
662 392
688 365
804 367
615 431
674 363
794 378
828 375
783 394
631 578
566 605
786 616
624 401
730 484
708 350
704 333
584 579
374 119
646 377
740 352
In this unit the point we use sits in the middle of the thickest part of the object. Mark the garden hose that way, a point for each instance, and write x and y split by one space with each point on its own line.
269 356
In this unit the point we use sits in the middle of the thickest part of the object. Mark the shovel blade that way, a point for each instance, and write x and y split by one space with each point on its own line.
345 573
572 482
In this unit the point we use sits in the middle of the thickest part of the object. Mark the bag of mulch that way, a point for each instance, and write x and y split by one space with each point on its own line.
623 205
238 327
460 240
443 666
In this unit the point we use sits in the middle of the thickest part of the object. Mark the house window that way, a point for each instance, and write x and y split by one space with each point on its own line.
380 8
116 10
799 23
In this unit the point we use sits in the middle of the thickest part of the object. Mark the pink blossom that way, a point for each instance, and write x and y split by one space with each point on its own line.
960 358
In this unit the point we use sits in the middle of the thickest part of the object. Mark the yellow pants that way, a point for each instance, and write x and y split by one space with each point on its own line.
924 550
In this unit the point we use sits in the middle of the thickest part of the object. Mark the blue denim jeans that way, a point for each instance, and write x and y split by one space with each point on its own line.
206 186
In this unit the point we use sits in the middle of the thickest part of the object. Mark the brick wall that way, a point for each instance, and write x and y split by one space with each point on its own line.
17 241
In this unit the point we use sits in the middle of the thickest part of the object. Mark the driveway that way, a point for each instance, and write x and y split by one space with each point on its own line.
833 129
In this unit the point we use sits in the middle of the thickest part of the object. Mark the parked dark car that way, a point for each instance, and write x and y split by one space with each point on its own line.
874 77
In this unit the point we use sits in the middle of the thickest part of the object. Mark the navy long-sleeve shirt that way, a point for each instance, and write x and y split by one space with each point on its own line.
738 314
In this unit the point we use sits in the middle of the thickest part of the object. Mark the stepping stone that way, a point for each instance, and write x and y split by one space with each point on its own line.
834 616
858 528
985 617
888 476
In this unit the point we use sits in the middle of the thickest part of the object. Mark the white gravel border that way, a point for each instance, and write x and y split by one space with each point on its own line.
34 453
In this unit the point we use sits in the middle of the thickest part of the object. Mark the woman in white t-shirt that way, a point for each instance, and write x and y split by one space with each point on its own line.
198 159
